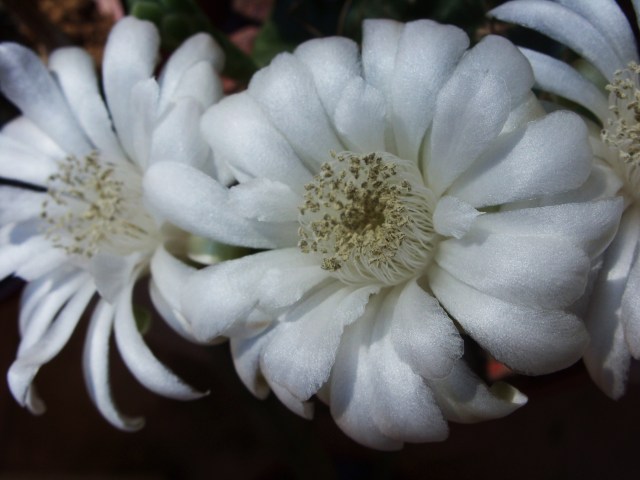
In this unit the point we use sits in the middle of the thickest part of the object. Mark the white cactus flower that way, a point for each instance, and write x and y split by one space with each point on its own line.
74 222
599 32
391 190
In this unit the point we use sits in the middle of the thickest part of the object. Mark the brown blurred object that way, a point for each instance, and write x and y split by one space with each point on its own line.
257 10
49 24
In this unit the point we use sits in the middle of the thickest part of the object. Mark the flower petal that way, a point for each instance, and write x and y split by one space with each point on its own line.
19 204
471 108
200 49
537 271
28 84
529 340
607 357
500 58
288 96
566 27
464 398
548 156
555 76
29 360
264 153
589 225
303 349
95 363
333 62
140 360
352 388
266 201
427 54
246 354
76 74
359 117
129 57
198 204
423 335
216 297
453 217
169 275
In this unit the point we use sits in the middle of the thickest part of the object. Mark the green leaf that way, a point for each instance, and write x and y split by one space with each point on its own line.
143 318
269 43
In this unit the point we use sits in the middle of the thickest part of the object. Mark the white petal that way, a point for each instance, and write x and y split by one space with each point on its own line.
197 203
499 57
77 77
607 357
464 398
359 117
31 137
379 48
303 349
169 275
287 94
246 354
422 334
548 156
557 77
453 217
529 340
302 408
427 54
112 273
469 114
144 111
140 360
216 297
21 163
177 137
285 284
95 363
41 263
19 204
29 360
352 388
403 406
333 62
42 304
198 49
590 225
630 309
537 271
265 200
28 84
129 57
18 244
264 153
200 83
564 26
611 22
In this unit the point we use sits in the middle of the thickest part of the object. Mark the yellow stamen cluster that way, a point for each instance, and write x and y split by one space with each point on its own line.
359 213
623 127
88 207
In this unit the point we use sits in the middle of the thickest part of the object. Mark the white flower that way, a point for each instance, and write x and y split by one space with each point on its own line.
391 190
600 32
82 227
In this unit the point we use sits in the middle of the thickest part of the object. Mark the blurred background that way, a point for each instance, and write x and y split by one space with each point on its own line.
569 429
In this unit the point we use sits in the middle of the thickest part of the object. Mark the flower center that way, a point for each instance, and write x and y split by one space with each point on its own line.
623 127
97 206
369 216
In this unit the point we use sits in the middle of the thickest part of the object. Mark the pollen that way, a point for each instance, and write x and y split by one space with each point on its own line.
623 126
93 206
369 217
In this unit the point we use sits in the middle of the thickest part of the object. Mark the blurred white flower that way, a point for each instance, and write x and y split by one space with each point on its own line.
391 189
82 227
600 32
